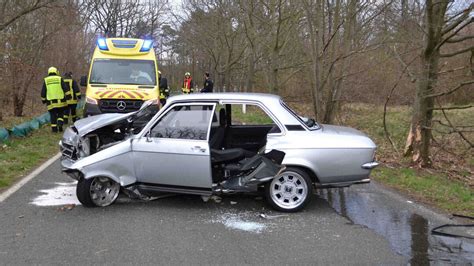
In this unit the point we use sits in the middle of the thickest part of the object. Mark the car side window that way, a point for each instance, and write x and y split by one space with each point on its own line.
184 122
252 115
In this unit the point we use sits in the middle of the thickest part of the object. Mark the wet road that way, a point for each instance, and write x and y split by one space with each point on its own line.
359 225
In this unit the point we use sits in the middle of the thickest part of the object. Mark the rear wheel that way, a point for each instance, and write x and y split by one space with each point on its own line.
98 191
290 191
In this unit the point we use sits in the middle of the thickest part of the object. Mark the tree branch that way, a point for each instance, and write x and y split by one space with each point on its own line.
462 84
460 39
454 24
457 52
453 127
453 107
452 34
37 5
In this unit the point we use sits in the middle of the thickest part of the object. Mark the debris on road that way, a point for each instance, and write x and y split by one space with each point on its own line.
271 217
60 195
67 207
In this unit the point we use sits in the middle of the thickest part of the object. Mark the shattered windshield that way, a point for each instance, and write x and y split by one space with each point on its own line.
308 122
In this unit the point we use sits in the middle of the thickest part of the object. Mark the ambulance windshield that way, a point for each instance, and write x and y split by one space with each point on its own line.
123 71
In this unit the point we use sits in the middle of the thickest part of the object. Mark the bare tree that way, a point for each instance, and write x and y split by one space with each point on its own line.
440 29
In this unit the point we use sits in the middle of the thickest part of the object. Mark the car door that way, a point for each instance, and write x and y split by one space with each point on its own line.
175 154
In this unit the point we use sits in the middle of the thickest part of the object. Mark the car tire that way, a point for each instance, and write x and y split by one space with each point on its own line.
97 191
290 191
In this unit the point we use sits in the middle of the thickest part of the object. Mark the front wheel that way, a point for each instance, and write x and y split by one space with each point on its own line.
97 192
290 191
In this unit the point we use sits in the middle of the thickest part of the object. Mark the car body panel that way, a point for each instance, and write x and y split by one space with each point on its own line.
334 154
181 162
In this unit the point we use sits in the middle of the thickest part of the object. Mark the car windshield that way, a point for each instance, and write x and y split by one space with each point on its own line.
121 71
309 122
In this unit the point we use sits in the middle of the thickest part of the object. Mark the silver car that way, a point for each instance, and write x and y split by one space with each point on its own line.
216 143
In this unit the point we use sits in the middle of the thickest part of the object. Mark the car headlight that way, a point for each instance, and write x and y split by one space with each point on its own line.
84 148
90 100
152 101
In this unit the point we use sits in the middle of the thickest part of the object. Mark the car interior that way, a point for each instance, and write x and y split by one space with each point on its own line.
234 145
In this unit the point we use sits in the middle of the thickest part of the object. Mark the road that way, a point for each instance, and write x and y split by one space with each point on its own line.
343 226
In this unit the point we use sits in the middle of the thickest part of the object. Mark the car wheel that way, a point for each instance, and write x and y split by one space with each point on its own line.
98 191
289 191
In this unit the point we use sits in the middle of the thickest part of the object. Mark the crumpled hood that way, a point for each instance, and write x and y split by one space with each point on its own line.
339 130
91 123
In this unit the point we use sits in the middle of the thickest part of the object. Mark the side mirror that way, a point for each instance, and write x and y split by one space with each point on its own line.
311 122
148 136
83 81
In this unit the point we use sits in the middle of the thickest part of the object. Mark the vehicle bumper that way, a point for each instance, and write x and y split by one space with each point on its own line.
370 165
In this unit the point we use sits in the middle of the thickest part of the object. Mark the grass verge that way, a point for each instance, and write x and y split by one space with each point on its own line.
18 156
433 189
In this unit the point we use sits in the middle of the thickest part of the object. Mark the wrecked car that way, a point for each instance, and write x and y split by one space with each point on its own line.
213 144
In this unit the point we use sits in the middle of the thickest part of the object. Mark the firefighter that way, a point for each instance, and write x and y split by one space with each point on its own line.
208 84
188 84
53 94
164 89
74 94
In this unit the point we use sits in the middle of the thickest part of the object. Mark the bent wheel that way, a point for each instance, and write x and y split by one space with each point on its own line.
289 191
98 191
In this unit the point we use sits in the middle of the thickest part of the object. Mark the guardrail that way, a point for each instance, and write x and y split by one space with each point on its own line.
23 129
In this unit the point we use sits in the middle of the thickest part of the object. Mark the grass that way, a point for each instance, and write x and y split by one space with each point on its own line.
19 156
434 189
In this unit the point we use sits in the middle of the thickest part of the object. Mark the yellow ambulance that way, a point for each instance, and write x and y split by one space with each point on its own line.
123 75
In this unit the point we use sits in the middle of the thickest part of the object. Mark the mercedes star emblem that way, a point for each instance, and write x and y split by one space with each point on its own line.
121 105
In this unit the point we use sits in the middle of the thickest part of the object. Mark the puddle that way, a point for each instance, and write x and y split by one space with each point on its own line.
61 194
408 233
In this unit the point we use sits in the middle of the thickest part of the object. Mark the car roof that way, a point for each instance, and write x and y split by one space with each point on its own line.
261 97
271 101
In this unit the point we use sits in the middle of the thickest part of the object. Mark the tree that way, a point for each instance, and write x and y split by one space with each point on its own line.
440 29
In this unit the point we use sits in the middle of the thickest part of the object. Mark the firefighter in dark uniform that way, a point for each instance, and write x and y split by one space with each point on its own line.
74 94
188 83
164 89
208 84
53 94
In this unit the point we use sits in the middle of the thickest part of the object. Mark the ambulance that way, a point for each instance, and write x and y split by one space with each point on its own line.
122 76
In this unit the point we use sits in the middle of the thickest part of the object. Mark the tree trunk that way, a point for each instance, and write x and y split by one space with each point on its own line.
250 73
419 137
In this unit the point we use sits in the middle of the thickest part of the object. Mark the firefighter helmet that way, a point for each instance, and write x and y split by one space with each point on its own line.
187 74
53 70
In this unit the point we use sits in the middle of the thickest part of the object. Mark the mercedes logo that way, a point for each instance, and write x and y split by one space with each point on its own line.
121 105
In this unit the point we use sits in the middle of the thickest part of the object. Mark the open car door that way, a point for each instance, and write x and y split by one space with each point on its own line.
174 155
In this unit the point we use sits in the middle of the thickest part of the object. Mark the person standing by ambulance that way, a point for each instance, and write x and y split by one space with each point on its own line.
208 84
164 89
74 94
188 84
53 94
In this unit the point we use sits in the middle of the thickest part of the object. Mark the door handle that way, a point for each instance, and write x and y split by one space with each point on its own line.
198 148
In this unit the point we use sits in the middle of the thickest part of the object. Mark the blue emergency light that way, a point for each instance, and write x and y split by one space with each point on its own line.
102 44
146 46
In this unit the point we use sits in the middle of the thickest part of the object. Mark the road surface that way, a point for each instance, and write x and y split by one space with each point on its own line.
359 225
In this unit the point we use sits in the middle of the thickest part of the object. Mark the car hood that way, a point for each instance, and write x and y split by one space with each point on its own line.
339 130
91 123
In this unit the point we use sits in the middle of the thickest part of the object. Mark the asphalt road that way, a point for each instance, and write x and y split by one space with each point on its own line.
187 230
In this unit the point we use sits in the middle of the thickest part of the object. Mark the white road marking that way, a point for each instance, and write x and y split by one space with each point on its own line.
27 178
61 194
